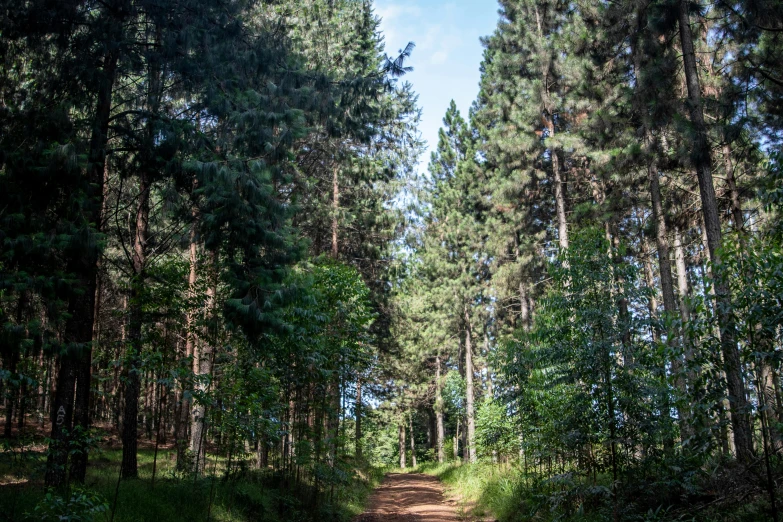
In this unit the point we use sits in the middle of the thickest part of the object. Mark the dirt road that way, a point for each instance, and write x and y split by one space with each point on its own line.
408 497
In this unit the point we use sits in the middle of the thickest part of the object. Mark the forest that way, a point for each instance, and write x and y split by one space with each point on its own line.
233 289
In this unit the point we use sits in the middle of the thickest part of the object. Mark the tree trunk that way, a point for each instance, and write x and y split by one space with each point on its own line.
413 441
439 410
135 332
203 355
456 440
559 185
190 348
767 396
682 275
469 406
84 376
401 435
11 394
335 212
649 280
81 305
702 160
358 415
683 290
524 307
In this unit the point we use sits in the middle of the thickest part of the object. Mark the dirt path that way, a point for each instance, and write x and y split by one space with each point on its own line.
408 497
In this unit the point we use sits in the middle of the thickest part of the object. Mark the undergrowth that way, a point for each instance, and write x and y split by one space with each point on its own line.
247 495
488 491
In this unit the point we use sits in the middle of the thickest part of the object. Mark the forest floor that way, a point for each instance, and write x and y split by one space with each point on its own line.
410 497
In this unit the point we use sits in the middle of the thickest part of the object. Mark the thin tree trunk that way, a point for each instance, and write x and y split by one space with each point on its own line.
203 355
767 395
11 394
401 435
559 185
649 280
469 401
702 160
683 291
358 415
524 307
84 376
439 409
682 275
191 339
456 440
413 441
335 212
135 324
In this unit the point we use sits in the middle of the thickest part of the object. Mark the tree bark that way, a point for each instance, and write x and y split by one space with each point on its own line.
524 307
649 280
401 436
441 435
81 306
702 160
191 339
469 401
456 441
413 441
683 288
203 355
135 332
358 415
767 395
335 212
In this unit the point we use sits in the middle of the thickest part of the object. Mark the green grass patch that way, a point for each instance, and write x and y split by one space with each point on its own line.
482 490
247 495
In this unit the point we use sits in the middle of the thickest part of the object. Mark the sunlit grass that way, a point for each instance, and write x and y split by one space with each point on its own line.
181 497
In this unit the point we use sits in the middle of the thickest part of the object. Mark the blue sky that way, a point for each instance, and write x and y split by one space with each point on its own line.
447 55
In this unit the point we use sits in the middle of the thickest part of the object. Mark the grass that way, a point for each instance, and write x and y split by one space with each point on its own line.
487 491
247 496
483 489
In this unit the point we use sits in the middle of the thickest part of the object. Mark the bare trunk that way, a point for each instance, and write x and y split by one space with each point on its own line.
559 185
81 306
702 160
203 355
190 348
683 290
335 212
649 280
413 441
456 441
767 396
10 396
135 323
402 444
469 401
682 275
84 372
441 434
524 307
358 415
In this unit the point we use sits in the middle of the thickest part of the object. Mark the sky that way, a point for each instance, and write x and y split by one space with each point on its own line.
447 56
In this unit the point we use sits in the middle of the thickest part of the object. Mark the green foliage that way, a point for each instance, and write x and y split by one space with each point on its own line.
82 505
496 430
